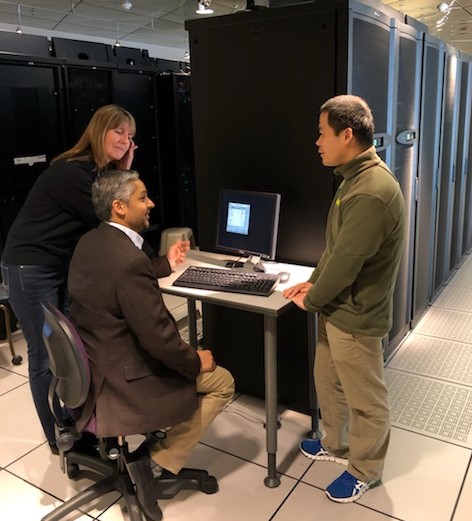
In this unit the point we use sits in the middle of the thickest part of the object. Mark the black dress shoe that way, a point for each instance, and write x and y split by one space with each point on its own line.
146 486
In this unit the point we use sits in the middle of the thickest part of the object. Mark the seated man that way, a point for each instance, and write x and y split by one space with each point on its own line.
144 376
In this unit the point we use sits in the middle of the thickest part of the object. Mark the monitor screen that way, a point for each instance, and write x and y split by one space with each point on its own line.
248 222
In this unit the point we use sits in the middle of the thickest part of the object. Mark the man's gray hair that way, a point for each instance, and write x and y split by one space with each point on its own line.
111 185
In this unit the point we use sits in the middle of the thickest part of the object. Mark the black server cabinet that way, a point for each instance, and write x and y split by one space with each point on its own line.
87 89
255 106
176 157
255 122
256 115
134 91
370 62
31 132
428 168
451 97
385 69
467 235
404 163
460 170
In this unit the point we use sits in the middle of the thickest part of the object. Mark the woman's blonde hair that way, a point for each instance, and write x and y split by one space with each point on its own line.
90 145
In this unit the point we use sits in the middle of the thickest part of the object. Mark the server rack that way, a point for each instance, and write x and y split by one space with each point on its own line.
31 130
427 178
404 162
176 159
366 51
450 110
142 104
460 167
467 236
372 62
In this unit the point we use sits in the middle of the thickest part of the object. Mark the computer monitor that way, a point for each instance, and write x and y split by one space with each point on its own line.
248 223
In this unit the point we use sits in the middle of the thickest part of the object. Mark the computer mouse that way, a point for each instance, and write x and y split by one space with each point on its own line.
284 276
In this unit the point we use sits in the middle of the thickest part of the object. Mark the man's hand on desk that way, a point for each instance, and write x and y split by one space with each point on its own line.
177 252
207 362
297 293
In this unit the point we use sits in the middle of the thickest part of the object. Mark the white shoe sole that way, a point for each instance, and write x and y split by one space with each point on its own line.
353 498
329 457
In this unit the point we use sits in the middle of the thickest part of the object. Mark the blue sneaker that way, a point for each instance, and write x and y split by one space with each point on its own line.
347 488
314 450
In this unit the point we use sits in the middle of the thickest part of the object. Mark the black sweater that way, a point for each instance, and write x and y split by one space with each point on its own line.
56 213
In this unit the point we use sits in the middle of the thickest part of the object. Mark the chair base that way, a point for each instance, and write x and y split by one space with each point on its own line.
114 482
137 505
187 479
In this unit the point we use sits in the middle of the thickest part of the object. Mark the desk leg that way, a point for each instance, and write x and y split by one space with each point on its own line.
192 322
270 370
312 320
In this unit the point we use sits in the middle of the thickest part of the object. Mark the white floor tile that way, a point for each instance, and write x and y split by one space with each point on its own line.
422 478
239 430
425 479
446 323
241 496
455 297
42 469
464 506
21 501
20 430
10 381
307 503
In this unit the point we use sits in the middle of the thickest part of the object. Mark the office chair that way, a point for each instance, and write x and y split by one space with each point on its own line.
16 359
126 472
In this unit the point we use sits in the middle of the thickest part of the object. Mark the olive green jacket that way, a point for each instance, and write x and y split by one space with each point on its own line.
354 281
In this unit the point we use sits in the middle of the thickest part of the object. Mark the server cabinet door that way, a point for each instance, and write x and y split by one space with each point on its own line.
404 165
87 90
135 92
177 169
30 132
451 90
258 81
467 235
369 68
428 164
460 181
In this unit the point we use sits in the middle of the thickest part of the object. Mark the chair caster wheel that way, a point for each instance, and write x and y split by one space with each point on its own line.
17 359
72 470
209 486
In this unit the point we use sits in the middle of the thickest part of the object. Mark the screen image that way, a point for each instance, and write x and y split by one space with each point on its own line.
248 222
238 218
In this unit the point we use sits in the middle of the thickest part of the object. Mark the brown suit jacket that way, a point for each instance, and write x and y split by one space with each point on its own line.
143 374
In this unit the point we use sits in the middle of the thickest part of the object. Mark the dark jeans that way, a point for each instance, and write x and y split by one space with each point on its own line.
28 286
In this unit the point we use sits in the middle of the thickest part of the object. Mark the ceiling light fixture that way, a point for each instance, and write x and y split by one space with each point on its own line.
19 29
117 42
204 7
126 4
443 7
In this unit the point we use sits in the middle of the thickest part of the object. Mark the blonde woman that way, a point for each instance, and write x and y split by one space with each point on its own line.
57 212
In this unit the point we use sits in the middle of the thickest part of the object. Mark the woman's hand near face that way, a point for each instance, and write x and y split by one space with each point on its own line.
127 160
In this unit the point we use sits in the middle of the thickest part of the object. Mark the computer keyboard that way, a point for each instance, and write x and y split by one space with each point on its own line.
232 280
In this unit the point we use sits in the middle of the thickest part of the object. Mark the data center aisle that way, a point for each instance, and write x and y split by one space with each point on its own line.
427 474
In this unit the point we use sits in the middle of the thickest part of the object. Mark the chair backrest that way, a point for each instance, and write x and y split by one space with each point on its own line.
67 357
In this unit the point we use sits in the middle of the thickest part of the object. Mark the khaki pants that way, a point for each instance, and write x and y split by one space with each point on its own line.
349 380
215 390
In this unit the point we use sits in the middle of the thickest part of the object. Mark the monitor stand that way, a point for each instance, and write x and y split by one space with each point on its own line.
252 262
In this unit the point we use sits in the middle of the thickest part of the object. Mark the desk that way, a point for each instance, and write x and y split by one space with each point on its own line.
271 307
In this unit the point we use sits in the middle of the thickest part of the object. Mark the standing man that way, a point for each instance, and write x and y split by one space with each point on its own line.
144 376
352 290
